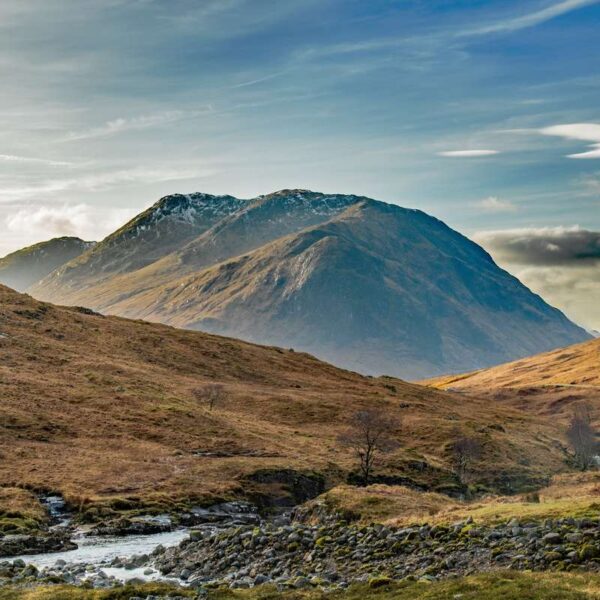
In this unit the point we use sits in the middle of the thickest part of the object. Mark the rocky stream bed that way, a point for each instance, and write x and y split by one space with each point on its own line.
225 550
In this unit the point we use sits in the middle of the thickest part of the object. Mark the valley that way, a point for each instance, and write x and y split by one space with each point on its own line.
186 458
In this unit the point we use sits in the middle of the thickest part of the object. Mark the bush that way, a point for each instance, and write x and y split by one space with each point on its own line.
379 581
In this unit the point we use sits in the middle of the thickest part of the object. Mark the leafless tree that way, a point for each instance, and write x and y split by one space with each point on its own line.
370 433
582 437
465 451
211 394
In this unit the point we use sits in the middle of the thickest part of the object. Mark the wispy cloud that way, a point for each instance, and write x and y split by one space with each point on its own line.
122 124
99 181
256 81
468 153
492 204
585 132
12 158
531 19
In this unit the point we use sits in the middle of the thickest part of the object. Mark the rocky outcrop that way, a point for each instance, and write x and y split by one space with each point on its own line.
14 545
284 488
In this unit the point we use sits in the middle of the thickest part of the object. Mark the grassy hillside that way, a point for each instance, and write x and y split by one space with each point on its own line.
102 408
549 384
572 366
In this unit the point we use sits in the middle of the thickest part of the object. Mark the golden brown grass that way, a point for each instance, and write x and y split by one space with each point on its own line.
385 503
575 365
99 408
548 384
567 495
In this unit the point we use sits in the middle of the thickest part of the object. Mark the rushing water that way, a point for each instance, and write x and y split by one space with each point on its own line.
102 550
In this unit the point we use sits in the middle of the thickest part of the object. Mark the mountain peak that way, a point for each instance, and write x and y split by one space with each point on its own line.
189 207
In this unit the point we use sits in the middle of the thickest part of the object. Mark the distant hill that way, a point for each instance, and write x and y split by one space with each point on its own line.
577 365
366 285
25 267
549 383
101 408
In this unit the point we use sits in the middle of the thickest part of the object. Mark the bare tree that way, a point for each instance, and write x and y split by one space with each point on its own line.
582 437
370 433
211 394
465 451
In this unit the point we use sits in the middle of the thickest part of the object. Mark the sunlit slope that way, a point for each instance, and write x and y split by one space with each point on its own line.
98 407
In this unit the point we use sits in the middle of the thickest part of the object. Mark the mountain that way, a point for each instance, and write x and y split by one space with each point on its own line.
25 267
363 284
103 408
162 228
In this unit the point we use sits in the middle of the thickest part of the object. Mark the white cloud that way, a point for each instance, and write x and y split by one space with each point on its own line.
492 204
584 132
559 263
468 153
47 221
533 18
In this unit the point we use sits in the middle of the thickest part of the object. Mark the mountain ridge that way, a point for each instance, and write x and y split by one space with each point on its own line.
385 289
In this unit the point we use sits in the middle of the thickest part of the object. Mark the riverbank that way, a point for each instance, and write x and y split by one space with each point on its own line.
333 556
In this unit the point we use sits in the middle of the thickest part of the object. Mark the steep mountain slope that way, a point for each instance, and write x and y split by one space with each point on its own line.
366 285
164 227
27 266
101 408
236 227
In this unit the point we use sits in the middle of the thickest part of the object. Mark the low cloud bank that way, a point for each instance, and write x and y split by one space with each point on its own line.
548 246
562 264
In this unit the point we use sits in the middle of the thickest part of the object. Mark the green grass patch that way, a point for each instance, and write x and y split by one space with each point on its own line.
502 585
20 511
506 585
535 511
64 592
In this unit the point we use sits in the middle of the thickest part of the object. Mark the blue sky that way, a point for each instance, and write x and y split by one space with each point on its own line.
484 113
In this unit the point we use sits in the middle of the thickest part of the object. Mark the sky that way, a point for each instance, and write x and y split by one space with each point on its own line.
484 113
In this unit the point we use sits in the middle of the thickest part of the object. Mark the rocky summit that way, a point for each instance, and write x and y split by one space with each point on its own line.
366 285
